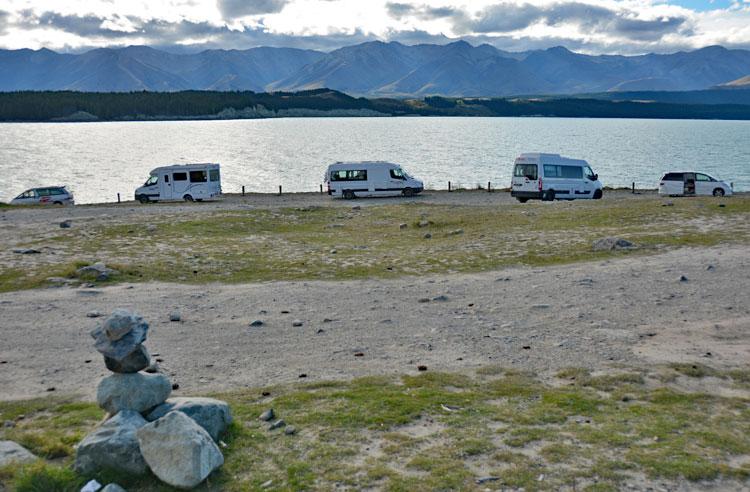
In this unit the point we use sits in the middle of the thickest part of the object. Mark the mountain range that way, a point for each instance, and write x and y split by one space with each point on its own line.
374 69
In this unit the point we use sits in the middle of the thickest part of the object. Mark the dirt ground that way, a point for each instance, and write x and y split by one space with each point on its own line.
632 311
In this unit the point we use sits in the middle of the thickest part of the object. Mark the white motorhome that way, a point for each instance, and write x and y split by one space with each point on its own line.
181 182
370 178
550 176
691 183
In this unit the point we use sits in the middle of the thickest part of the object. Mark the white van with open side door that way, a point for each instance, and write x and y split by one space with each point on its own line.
370 178
186 182
691 183
553 177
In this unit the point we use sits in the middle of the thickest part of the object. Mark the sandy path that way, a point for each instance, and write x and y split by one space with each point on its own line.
628 310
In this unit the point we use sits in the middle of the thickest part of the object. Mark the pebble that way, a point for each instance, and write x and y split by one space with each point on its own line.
27 251
277 425
427 236
94 314
175 316
440 298
403 226
423 223
683 278
333 252
65 224
424 299
421 368
257 322
268 415
290 430
297 322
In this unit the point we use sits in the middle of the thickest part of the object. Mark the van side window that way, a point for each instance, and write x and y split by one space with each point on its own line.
43 192
166 178
397 174
702 177
56 191
551 171
572 172
197 176
179 176
525 171
349 175
673 177
213 175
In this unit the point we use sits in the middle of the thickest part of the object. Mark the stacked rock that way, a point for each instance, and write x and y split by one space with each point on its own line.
174 438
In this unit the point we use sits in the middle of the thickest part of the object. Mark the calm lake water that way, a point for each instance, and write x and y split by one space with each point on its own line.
98 160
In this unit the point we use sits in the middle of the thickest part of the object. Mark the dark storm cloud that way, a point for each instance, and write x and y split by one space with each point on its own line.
507 17
232 9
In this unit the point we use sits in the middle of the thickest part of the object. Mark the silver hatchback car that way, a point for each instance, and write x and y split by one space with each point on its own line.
52 195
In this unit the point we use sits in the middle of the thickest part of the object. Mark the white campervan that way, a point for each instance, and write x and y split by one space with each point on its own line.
181 182
551 176
370 178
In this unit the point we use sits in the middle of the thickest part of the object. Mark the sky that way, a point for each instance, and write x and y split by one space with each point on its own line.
587 26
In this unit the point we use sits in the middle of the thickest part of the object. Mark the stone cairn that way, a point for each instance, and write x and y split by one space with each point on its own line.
175 438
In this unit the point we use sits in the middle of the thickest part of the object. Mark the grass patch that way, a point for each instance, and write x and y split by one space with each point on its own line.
295 244
366 433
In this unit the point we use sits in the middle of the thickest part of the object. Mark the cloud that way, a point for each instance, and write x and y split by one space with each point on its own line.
232 9
508 17
422 12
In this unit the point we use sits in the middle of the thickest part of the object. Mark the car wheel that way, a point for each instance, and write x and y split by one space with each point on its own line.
143 199
522 200
188 198
718 192
60 203
597 194
549 196
349 195
408 192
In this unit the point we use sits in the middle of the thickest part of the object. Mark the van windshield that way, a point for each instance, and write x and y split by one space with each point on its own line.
152 180
589 173
525 171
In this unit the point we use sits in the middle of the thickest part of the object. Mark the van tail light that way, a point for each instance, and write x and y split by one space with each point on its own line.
540 184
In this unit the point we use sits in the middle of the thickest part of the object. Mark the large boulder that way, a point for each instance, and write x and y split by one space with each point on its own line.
136 361
120 334
113 446
138 392
12 452
211 414
179 451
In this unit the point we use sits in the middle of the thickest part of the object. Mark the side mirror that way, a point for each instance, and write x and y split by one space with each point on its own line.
594 177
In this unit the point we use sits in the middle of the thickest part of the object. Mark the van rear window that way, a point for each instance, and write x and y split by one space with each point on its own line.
525 171
673 177
349 175
213 175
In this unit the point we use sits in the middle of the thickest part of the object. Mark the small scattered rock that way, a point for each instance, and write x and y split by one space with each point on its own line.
94 314
9 423
710 268
113 487
27 251
277 425
65 224
175 316
423 223
319 331
356 207
303 375
482 480
423 299
99 270
359 354
297 322
427 236
91 486
267 484
12 452
611 243
722 205
268 415
540 306
175 386
421 368
440 298
667 204
257 322
683 278
290 430
456 232
403 226
51 388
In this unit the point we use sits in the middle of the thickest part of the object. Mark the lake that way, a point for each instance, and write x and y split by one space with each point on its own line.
98 160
